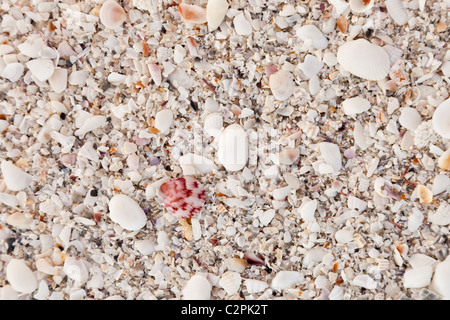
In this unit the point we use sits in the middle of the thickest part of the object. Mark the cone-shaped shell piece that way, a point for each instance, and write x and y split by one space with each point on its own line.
364 59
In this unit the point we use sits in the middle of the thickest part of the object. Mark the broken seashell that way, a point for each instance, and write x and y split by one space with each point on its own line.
441 279
232 150
215 13
230 282
288 156
197 288
286 279
112 14
311 34
397 11
282 84
365 281
420 260
444 160
355 105
308 209
418 277
13 71
393 52
58 80
241 25
398 73
236 264
442 215
155 72
364 59
65 50
424 194
20 276
192 13
192 163
213 124
410 118
310 66
255 286
15 178
441 119
126 212
183 197
331 155
360 6
342 24
41 69
163 121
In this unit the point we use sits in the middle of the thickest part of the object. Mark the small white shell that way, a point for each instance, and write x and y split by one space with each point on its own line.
440 184
282 84
441 279
13 71
410 118
213 123
76 269
215 13
15 178
310 66
58 80
286 279
442 215
155 72
197 288
418 277
397 11
232 150
163 121
331 155
344 235
359 6
420 260
192 164
41 69
288 156
20 276
441 119
192 13
112 14
365 281
230 282
32 47
126 212
364 59
398 73
444 160
308 209
311 35
415 220
241 25
355 105
255 286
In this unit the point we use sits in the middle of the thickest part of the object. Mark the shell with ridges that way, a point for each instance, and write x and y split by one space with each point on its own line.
364 59
397 11
281 84
230 282
197 288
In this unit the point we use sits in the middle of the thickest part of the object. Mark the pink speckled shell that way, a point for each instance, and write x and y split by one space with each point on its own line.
183 197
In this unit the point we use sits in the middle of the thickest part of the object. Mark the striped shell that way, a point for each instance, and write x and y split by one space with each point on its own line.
397 11
183 197
364 59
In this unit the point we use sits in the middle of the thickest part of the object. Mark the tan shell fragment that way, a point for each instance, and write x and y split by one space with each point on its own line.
112 14
192 13
424 194
444 160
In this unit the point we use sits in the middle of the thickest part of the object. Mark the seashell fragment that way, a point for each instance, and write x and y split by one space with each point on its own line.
232 150
213 124
255 286
163 121
442 215
155 72
355 105
20 276
236 264
441 279
418 277
360 6
288 156
364 59
310 34
126 212
424 194
365 281
397 11
393 52
281 84
441 119
230 282
192 13
331 155
444 160
398 73
192 163
58 80
13 71
342 24
215 13
183 197
76 269
41 68
308 209
112 14
420 260
410 118
311 66
15 178
197 288
241 25
286 279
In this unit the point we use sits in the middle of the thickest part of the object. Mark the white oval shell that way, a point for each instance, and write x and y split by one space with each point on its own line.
233 148
13 71
418 277
397 11
441 119
20 276
331 155
358 6
197 288
441 279
241 25
355 105
112 14
41 69
310 33
365 281
286 279
15 178
213 124
126 212
255 286
442 215
230 282
282 84
215 13
163 121
364 59
419 260
410 118
58 80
